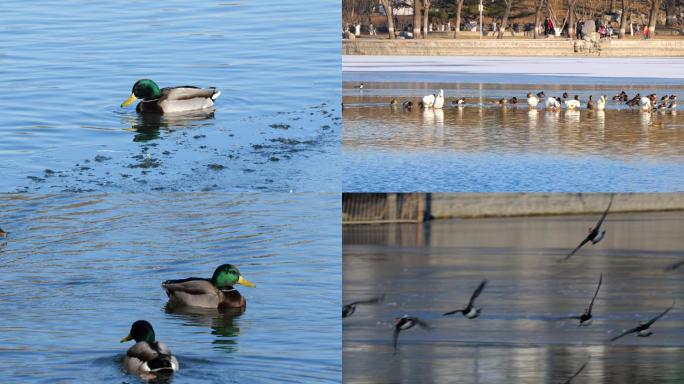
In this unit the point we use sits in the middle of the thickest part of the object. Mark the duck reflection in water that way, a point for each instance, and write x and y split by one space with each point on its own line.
149 125
224 323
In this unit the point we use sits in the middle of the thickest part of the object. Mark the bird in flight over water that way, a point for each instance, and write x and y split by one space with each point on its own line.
595 234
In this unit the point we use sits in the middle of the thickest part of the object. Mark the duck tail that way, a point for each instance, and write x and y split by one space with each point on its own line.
215 95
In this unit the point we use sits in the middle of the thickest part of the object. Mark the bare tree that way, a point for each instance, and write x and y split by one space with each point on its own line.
426 11
539 5
504 21
623 19
653 18
390 17
416 18
459 8
571 18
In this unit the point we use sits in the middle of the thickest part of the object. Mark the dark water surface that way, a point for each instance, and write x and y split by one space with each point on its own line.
64 70
426 270
77 270
484 147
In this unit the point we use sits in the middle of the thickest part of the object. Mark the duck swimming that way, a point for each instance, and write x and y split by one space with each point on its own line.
590 102
171 99
148 356
439 100
217 292
2 233
572 104
553 103
601 104
532 100
459 101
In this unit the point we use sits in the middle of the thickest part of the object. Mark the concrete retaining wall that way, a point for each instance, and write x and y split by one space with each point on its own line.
514 47
448 205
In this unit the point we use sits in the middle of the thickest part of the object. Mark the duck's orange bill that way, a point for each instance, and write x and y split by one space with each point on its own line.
246 283
129 101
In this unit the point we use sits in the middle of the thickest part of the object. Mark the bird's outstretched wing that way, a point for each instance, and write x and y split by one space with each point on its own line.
603 217
625 333
674 266
569 380
653 320
396 337
373 300
422 324
591 305
477 292
586 240
569 318
452 312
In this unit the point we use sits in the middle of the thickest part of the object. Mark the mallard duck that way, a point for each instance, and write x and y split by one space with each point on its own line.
170 100
217 292
147 356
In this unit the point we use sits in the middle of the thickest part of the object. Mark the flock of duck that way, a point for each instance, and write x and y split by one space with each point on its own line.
645 103
470 311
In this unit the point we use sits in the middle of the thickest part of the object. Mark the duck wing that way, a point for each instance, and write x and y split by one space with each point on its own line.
373 300
627 332
569 380
477 293
653 320
422 324
396 336
187 92
591 305
191 286
586 240
603 217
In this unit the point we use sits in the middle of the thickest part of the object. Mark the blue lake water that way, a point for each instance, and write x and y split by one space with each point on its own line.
64 70
78 269
484 147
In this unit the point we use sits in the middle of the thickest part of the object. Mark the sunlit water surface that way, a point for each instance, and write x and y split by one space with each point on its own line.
483 146
77 270
64 70
426 270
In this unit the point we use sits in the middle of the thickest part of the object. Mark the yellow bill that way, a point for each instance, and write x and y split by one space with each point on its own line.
125 339
129 101
246 283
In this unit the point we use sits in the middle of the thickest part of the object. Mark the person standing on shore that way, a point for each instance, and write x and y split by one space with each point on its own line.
550 24
646 31
578 29
546 26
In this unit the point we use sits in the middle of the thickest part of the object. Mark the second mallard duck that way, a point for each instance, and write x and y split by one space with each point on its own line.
217 292
148 357
171 99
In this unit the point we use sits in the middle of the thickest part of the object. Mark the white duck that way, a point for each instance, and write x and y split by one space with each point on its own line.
532 100
572 104
552 103
429 101
645 103
439 100
601 103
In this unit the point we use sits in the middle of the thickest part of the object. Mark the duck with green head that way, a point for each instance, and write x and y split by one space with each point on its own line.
171 99
148 356
217 292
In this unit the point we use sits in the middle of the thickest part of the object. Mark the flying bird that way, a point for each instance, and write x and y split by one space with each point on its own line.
470 311
674 266
642 330
407 322
595 234
586 318
350 308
